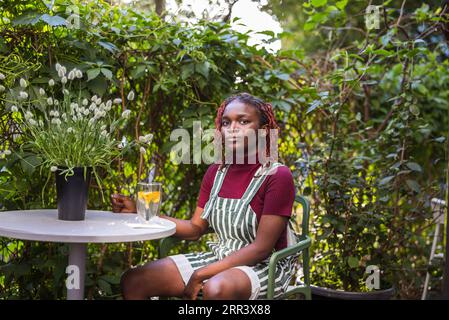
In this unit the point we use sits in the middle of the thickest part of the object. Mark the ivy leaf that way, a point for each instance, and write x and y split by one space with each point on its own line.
385 180
412 184
93 73
107 73
414 166
353 262
318 3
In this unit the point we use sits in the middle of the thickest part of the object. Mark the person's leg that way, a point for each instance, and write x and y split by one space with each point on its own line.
232 284
156 278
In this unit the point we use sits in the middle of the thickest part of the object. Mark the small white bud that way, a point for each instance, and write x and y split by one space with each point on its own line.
117 101
104 133
65 92
64 80
131 96
85 102
32 122
2 76
94 98
56 114
41 91
50 101
143 150
51 82
71 75
23 83
103 127
23 95
126 113
2 88
14 109
69 129
53 169
58 67
79 74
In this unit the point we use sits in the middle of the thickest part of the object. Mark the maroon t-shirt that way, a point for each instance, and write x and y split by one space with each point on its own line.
276 195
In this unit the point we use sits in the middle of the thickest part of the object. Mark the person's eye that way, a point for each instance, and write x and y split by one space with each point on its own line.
244 121
224 123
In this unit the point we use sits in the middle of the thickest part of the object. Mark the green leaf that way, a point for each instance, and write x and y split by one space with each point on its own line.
53 21
341 4
318 3
412 184
93 73
414 166
203 68
385 180
107 73
353 262
108 46
315 104
187 70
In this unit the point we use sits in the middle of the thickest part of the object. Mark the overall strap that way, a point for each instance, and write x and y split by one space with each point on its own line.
218 181
253 187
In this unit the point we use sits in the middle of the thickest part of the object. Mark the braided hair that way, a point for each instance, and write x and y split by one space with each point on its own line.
266 117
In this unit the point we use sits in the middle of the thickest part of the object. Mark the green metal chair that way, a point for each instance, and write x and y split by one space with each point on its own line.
302 246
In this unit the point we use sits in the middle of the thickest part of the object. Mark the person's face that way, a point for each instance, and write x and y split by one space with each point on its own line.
238 121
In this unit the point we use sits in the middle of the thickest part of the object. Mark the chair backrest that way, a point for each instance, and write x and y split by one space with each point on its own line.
305 214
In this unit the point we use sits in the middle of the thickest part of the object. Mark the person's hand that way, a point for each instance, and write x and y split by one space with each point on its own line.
123 204
193 287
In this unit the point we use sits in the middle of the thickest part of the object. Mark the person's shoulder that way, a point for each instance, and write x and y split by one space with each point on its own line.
281 172
212 170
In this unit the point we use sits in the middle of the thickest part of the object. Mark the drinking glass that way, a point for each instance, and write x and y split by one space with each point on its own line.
148 200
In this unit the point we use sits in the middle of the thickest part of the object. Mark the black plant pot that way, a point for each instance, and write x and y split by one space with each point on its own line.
72 192
319 293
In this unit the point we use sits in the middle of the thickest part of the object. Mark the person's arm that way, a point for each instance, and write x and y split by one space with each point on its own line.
269 230
191 229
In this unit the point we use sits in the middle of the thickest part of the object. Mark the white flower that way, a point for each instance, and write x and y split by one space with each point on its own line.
102 106
74 118
92 106
55 102
85 102
52 113
109 104
41 91
50 101
53 169
103 127
120 145
51 82
65 92
64 117
56 121
56 114
23 95
143 150
126 113
98 101
86 112
14 109
2 76
91 121
23 83
131 95
69 129
94 98
7 152
78 73
64 80
2 88
32 122
104 133
148 137
117 101
28 115
58 67
142 139
71 75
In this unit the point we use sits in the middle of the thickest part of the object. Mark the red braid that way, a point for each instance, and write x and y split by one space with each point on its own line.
265 111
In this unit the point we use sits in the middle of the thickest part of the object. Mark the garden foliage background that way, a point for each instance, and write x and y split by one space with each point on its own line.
363 116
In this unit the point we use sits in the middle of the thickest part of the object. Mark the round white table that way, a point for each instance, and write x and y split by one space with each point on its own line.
98 227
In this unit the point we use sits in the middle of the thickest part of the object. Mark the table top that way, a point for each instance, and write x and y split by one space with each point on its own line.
98 227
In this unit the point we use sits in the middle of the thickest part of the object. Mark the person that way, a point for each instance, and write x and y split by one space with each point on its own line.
248 205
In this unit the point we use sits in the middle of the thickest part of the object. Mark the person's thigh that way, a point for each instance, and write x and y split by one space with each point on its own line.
229 284
156 278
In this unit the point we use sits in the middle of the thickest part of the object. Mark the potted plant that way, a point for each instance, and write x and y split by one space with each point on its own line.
71 133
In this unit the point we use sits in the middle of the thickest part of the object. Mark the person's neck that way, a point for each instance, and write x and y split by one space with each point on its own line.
248 159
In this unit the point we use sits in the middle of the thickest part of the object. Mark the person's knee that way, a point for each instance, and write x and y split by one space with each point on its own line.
217 289
129 282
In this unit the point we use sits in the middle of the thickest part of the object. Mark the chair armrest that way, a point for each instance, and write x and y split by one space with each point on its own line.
278 255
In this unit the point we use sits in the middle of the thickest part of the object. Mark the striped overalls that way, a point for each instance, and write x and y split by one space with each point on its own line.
235 224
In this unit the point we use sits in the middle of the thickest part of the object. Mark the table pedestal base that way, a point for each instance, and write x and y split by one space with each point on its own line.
76 271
